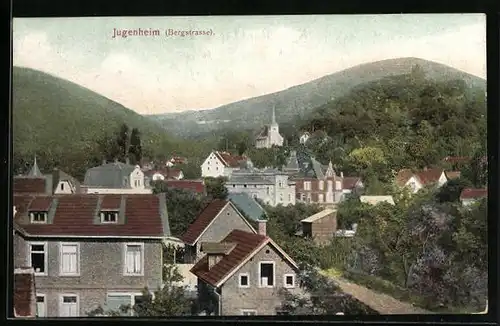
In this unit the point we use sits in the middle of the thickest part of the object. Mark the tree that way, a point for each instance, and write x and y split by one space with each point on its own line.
216 188
135 148
451 190
122 141
169 300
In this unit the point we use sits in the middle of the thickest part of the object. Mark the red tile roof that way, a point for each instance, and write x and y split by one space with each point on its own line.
29 185
111 202
24 293
473 193
193 185
230 160
246 244
196 229
22 202
403 176
429 176
450 175
350 182
75 215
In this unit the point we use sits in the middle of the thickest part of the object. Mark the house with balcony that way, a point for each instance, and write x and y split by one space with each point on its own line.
89 251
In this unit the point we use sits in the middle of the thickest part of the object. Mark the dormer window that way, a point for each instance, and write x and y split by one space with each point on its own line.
109 216
38 217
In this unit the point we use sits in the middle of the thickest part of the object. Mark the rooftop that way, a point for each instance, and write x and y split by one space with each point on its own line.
319 215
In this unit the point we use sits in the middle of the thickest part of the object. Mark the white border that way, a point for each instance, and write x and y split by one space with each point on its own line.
248 280
274 273
45 257
61 298
293 281
125 261
61 245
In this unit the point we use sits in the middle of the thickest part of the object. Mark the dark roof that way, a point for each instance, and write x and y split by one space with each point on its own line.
142 215
247 205
109 175
28 185
246 244
473 193
193 185
24 293
196 229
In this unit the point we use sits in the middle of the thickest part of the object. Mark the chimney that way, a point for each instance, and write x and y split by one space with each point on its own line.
261 225
127 160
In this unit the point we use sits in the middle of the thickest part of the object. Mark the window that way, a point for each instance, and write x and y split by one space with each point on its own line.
139 182
321 185
69 259
244 280
330 185
280 184
125 181
338 185
268 190
266 274
38 257
115 301
289 280
320 198
248 312
307 185
109 216
281 197
308 199
62 186
302 197
40 305
38 217
134 259
244 186
289 197
69 306
217 168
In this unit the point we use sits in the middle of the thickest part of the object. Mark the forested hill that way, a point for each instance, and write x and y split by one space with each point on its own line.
400 121
299 100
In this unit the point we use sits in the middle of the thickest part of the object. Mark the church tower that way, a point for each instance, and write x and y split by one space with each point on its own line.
274 125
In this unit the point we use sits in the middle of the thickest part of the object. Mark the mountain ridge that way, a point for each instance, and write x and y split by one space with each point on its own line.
295 101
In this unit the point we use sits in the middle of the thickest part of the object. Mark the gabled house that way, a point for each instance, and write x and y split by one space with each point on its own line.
418 180
468 196
243 273
175 160
63 183
320 226
25 299
115 178
221 164
212 225
90 250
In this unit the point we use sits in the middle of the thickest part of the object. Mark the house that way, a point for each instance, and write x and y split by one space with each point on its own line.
270 135
374 200
175 160
271 186
163 174
468 196
65 184
197 186
316 183
90 250
115 178
213 224
25 299
243 274
418 180
221 164
321 226
247 205
304 137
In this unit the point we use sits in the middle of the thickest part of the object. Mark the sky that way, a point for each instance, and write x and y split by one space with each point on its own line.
236 57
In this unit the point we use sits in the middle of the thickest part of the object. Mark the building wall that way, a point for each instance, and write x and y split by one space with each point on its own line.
442 179
413 184
66 188
227 221
264 300
278 191
101 271
330 193
324 228
20 254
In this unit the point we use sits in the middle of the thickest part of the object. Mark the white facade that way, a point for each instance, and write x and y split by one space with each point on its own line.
415 185
271 189
64 188
214 167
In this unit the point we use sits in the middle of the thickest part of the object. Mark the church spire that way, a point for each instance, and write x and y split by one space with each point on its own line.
35 171
274 115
